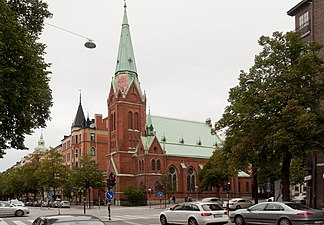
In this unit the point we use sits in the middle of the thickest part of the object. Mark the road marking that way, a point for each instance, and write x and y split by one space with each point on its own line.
131 217
2 222
18 222
132 223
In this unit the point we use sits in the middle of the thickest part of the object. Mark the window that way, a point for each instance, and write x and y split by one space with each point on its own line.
247 187
191 180
92 151
76 153
130 120
136 121
153 164
76 164
139 166
273 207
173 178
239 187
92 137
303 20
76 139
158 164
143 165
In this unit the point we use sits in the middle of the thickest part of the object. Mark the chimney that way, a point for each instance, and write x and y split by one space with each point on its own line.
208 122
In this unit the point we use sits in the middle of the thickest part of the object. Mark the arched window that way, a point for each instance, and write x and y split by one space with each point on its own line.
114 121
139 166
130 120
76 153
247 187
143 165
136 121
92 151
191 180
153 165
173 178
158 164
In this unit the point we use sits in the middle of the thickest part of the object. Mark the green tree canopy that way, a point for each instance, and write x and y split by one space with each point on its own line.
215 172
25 96
277 118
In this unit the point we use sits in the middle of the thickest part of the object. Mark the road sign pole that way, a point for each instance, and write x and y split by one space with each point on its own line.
109 215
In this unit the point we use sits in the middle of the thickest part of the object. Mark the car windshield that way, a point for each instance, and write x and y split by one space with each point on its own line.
297 206
87 222
211 207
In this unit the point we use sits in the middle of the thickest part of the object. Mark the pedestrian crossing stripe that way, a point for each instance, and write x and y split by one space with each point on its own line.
17 222
132 217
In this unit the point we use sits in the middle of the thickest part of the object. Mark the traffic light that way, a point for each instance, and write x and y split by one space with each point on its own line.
112 180
87 183
228 185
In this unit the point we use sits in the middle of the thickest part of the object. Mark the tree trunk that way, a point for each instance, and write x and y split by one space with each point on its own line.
255 186
285 172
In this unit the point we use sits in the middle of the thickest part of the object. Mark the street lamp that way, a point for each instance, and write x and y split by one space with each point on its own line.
90 44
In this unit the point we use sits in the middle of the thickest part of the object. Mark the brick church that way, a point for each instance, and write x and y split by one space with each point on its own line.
138 147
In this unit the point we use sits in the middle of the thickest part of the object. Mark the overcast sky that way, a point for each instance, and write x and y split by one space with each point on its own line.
188 55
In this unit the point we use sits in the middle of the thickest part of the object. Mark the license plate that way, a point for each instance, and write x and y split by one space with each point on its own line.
218 215
318 222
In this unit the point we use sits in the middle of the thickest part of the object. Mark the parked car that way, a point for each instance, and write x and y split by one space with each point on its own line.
213 200
10 210
301 198
238 203
65 204
278 213
16 202
68 219
194 213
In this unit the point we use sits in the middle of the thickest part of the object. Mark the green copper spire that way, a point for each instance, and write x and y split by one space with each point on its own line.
126 58
149 126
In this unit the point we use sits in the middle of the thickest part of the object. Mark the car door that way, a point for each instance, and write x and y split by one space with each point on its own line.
5 209
173 215
253 214
183 214
272 212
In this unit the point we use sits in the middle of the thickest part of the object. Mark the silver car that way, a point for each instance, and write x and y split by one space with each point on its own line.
194 213
278 213
238 203
9 210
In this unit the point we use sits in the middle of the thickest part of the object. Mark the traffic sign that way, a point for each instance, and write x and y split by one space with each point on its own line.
49 195
110 195
160 194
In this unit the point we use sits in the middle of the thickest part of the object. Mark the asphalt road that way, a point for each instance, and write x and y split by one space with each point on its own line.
119 215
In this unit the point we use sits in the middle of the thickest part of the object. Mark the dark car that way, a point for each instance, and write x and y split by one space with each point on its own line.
77 219
278 213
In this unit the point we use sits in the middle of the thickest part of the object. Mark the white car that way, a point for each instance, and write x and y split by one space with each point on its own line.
16 202
9 210
195 213
238 203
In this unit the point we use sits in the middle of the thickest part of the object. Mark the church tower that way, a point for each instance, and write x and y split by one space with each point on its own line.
126 111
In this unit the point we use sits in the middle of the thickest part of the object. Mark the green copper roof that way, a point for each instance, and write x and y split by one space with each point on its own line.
126 58
185 138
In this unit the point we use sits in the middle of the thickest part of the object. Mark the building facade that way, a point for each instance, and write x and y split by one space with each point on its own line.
309 21
142 147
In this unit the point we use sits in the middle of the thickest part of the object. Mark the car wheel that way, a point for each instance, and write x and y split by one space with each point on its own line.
163 220
19 213
238 220
238 207
192 221
284 221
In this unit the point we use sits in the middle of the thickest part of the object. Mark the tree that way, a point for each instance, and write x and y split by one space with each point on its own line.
277 118
25 96
215 172
135 194
52 173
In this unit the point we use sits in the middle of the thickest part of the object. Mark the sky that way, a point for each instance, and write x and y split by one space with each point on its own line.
188 55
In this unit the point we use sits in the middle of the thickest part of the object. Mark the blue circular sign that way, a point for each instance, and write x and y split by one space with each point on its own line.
110 195
49 195
160 194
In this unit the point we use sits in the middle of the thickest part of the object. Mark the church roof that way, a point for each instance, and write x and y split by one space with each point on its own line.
185 138
126 58
79 120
